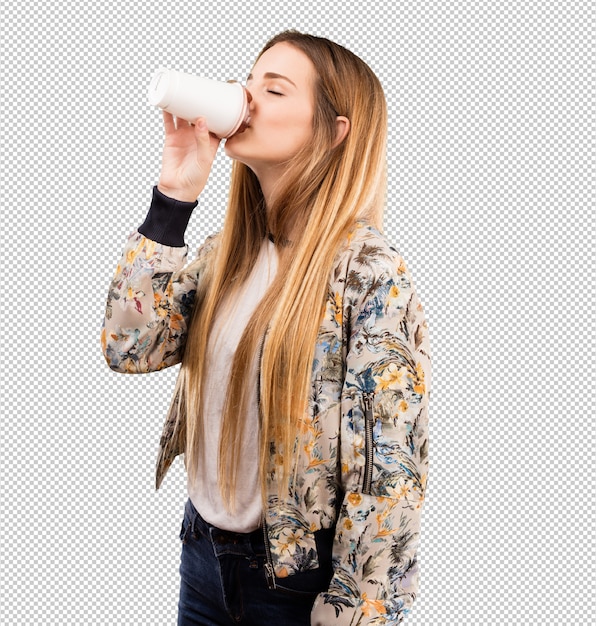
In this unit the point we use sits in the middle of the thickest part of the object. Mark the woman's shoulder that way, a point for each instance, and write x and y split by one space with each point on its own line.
365 232
368 250
372 279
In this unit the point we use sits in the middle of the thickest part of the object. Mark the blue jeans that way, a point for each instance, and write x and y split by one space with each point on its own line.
222 580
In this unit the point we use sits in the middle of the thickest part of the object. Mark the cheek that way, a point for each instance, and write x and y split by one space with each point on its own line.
305 122
295 130
295 120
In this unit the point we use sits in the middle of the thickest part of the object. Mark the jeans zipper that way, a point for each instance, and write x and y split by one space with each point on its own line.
369 422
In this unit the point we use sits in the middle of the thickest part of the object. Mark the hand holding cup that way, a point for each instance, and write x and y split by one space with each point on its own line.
188 154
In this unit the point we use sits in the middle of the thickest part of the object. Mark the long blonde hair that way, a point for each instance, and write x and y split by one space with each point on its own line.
324 192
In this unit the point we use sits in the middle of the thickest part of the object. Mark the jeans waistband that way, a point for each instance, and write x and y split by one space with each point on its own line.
196 525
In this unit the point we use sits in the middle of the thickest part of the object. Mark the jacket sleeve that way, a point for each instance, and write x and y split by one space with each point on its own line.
384 439
151 296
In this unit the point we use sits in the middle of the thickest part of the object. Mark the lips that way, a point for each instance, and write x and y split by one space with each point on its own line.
245 124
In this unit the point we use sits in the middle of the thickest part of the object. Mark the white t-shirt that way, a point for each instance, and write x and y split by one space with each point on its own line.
228 328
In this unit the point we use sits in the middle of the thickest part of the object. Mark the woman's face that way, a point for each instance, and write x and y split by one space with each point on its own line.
282 88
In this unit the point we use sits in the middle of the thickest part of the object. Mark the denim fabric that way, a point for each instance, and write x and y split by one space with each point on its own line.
222 580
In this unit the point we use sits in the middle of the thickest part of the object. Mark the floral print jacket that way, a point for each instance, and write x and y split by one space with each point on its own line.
363 461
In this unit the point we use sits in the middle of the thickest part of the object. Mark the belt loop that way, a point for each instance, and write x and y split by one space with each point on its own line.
185 531
195 523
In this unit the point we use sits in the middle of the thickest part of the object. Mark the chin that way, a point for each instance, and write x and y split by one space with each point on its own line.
236 153
230 145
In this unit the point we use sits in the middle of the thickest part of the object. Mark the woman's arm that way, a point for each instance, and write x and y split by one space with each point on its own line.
384 435
150 298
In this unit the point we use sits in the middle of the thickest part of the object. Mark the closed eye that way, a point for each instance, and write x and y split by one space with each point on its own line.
276 93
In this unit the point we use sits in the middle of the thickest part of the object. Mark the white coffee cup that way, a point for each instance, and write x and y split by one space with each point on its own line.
223 105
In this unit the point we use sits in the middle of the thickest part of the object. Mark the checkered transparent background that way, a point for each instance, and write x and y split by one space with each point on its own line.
491 202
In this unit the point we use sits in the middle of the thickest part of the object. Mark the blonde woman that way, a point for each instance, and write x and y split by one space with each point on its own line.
301 403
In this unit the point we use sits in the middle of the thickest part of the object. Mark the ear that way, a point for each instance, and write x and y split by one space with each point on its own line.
342 128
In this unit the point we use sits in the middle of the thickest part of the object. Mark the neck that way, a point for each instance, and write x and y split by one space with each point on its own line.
269 180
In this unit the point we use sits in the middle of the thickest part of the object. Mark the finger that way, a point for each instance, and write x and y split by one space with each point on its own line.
201 131
205 139
168 122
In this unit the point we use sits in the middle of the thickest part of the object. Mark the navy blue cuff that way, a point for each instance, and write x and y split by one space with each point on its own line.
167 220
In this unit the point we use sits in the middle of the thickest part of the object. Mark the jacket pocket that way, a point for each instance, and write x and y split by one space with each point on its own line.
369 423
314 581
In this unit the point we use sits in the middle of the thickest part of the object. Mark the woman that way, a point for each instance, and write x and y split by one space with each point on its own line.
301 403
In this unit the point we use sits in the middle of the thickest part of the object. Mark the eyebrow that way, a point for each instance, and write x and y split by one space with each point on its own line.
274 75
